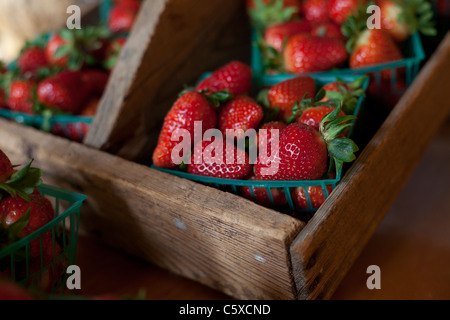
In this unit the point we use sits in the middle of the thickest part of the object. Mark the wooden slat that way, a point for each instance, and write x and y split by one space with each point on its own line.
172 43
216 238
326 248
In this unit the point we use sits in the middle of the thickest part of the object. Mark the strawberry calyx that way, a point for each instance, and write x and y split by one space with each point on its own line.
355 24
418 16
22 183
340 149
272 59
216 98
264 15
348 93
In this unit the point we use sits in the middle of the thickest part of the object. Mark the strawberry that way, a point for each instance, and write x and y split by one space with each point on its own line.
339 10
328 29
206 162
6 168
235 76
95 80
241 113
112 52
276 35
21 96
403 18
75 48
189 107
308 53
31 60
313 116
304 153
316 10
349 93
368 47
264 13
315 194
123 16
285 94
260 195
64 91
266 143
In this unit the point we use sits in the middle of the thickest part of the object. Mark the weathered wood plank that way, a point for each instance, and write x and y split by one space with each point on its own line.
326 248
216 238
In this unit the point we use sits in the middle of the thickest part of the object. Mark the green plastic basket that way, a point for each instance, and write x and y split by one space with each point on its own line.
414 55
235 186
16 261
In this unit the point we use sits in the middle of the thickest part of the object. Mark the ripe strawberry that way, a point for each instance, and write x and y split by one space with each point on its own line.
40 213
313 116
304 152
308 53
206 162
6 168
276 35
241 114
123 16
55 42
64 91
339 10
264 13
190 107
266 143
285 94
21 96
316 10
348 93
315 194
403 18
261 196
31 60
95 80
235 76
328 29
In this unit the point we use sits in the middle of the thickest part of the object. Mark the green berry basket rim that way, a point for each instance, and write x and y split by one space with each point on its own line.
76 201
417 55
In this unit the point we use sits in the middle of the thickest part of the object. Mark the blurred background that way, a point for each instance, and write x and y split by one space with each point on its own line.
22 20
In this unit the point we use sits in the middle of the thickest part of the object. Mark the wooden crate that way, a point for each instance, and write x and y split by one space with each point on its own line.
225 241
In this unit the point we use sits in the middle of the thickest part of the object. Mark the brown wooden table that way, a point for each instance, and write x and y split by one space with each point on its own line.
411 246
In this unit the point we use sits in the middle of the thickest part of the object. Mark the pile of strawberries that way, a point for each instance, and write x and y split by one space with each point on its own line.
321 35
312 124
23 211
66 72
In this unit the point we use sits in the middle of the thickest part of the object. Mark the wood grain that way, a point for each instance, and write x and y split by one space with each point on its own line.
216 238
326 248
172 43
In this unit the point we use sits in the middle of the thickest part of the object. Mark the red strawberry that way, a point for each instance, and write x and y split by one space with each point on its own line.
31 60
339 10
315 194
269 127
304 152
54 43
21 96
316 10
261 196
112 52
313 116
403 18
276 35
285 94
95 80
6 168
308 53
206 162
190 107
41 213
234 76
122 17
64 91
328 29
3 100
348 93
241 114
